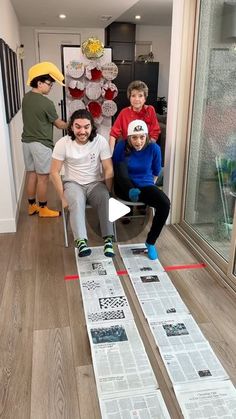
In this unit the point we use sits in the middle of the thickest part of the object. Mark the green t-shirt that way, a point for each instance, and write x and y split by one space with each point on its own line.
38 114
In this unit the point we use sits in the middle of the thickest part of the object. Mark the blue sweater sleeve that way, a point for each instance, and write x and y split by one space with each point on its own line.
156 162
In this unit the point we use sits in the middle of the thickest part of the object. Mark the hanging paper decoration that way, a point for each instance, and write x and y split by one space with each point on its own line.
109 90
75 69
76 89
93 48
109 108
76 93
93 72
75 105
89 82
95 108
109 71
93 90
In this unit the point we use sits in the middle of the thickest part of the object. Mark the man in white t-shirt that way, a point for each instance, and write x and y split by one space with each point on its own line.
83 153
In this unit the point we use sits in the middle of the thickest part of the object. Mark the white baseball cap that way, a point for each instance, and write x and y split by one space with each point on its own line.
137 127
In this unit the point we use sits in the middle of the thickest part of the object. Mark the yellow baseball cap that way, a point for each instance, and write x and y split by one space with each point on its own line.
45 68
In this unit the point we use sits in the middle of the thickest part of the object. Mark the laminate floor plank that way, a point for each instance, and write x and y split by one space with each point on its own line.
24 249
80 342
69 263
54 391
51 308
16 332
88 399
225 352
6 243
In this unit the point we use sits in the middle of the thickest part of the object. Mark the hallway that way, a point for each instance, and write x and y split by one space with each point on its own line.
45 360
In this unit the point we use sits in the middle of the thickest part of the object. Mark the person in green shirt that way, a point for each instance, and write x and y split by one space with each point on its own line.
39 117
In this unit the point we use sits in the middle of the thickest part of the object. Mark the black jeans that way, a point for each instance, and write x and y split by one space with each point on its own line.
157 199
150 195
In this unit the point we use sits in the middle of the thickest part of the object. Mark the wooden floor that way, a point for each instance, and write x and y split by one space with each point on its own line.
45 360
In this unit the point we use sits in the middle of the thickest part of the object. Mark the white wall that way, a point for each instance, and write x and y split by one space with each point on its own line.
160 36
29 40
11 159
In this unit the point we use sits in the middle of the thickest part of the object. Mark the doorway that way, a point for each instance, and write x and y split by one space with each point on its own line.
49 49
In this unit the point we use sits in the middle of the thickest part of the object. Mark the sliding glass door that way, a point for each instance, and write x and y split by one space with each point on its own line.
211 175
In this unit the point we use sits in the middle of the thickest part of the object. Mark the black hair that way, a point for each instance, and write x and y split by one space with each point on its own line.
82 114
43 78
129 148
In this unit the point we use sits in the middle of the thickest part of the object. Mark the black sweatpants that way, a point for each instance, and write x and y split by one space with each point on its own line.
157 199
150 195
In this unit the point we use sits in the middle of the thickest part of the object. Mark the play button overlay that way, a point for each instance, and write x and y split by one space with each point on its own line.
117 210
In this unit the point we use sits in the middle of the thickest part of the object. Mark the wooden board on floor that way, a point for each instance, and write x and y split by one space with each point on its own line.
88 399
54 392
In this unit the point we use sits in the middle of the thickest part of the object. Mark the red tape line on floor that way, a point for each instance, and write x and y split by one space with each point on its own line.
71 277
179 267
122 272
166 269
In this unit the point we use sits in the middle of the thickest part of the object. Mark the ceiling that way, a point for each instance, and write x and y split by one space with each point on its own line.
152 12
92 14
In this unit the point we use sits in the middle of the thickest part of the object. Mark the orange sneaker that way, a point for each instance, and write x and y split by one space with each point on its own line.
46 212
33 209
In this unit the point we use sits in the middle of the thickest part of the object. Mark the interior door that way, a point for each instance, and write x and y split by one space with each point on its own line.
49 45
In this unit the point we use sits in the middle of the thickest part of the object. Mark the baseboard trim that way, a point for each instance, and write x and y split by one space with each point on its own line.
17 213
9 225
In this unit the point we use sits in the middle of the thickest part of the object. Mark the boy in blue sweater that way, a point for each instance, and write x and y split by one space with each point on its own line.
137 163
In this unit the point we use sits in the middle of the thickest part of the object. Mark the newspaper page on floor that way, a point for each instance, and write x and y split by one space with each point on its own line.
193 365
141 406
177 333
216 399
120 362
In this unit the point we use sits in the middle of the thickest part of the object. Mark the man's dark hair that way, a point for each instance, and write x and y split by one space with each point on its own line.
82 114
43 78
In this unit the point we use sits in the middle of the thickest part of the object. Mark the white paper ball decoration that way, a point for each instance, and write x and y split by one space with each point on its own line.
109 108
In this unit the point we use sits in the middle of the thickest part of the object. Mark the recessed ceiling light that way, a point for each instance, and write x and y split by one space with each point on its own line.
137 17
62 16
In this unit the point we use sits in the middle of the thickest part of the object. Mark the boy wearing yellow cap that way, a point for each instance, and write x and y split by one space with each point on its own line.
39 117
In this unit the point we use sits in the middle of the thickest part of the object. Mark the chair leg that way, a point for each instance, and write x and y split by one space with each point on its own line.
65 221
115 231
